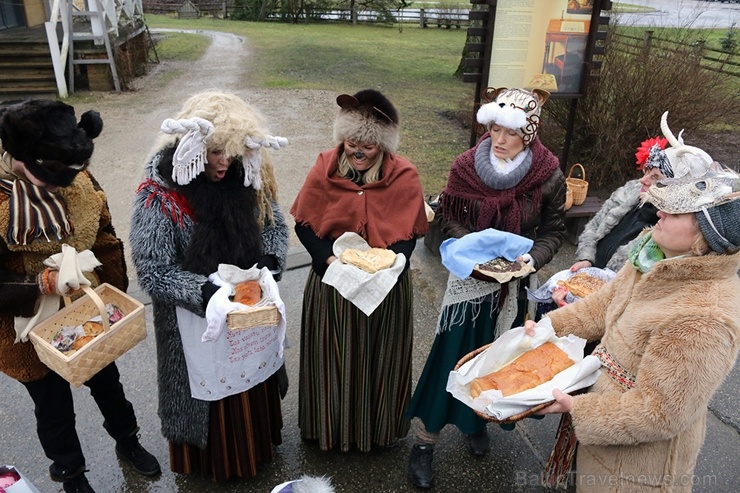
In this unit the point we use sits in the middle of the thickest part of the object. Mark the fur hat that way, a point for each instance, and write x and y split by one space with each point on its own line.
516 109
679 160
307 484
368 117
46 137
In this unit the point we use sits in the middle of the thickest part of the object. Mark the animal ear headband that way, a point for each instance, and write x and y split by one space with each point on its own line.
190 156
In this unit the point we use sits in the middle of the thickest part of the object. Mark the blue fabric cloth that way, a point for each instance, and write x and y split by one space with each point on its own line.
460 255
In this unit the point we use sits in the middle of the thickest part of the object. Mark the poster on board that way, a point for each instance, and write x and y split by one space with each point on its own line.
540 44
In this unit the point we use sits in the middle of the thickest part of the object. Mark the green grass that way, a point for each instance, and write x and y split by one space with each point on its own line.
413 67
182 47
630 8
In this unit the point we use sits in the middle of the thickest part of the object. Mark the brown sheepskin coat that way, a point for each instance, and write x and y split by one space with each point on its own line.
676 329
87 209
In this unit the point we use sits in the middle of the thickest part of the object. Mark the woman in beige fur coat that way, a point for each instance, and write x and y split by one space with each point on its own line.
669 330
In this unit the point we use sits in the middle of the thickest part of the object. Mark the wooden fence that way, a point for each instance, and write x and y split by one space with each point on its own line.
442 18
725 62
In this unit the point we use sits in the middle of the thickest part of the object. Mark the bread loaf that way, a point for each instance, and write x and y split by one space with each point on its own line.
371 260
248 293
529 370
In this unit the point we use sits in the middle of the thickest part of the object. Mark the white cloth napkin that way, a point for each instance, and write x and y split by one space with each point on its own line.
71 266
510 346
366 291
227 277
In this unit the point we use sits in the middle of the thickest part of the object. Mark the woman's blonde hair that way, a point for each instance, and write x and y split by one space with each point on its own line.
372 174
233 121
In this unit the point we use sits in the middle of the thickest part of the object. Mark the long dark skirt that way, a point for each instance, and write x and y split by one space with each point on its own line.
242 430
431 402
355 374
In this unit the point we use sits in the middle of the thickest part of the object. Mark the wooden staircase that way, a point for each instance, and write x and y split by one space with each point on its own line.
25 65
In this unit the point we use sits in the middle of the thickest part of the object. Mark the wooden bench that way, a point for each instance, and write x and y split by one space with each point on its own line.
577 216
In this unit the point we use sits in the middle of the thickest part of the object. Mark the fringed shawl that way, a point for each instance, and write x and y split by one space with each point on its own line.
501 209
383 213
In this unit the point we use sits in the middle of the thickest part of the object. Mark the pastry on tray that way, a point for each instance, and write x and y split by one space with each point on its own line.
371 260
529 370
501 270
581 284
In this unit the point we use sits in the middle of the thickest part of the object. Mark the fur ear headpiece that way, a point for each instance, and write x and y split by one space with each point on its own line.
516 109
46 137
223 121
367 117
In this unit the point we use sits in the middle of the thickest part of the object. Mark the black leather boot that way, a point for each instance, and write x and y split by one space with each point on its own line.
130 450
78 484
479 443
420 465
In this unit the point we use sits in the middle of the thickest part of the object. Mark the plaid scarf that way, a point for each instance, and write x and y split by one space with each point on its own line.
34 212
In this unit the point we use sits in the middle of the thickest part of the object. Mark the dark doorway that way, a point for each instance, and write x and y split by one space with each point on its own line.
11 14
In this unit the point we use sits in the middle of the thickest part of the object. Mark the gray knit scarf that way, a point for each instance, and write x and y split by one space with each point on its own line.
491 176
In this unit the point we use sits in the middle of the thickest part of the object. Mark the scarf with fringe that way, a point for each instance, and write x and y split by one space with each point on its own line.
34 213
500 209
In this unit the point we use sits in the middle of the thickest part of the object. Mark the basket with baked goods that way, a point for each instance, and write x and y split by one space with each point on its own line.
579 284
90 333
259 310
514 376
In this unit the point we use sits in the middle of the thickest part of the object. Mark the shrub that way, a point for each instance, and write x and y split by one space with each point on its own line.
624 105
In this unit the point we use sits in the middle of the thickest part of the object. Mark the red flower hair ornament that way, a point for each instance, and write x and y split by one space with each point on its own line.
643 152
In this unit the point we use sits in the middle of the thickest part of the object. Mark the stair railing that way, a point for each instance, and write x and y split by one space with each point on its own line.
59 52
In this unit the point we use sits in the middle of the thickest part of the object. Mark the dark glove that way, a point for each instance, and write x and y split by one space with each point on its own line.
208 289
282 378
269 261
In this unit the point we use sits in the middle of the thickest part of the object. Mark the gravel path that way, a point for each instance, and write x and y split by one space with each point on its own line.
132 121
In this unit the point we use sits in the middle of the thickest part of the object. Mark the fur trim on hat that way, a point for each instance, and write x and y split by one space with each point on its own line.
367 117
516 109
307 484
45 136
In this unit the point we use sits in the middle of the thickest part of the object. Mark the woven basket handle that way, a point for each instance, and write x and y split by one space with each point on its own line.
583 171
98 303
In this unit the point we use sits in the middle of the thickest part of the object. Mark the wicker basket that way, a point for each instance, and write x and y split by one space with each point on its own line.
487 417
77 367
577 186
568 198
263 316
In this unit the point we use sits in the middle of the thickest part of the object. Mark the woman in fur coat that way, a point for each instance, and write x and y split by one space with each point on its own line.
209 197
641 426
48 198
511 182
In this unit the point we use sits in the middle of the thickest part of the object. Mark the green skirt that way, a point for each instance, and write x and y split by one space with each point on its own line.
431 402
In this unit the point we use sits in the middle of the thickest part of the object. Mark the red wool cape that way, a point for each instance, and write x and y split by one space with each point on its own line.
383 213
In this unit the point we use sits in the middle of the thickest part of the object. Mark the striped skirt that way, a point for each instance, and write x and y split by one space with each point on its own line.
355 373
242 430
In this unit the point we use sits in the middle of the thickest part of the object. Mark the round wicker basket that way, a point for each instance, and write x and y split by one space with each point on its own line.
487 417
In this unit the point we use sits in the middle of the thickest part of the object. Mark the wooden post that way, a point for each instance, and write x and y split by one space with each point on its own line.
224 12
647 41
422 21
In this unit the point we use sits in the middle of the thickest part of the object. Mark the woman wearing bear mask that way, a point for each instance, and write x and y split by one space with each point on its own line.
48 198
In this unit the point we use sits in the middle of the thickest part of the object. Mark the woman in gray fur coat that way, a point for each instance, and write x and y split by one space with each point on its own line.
209 197
608 236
